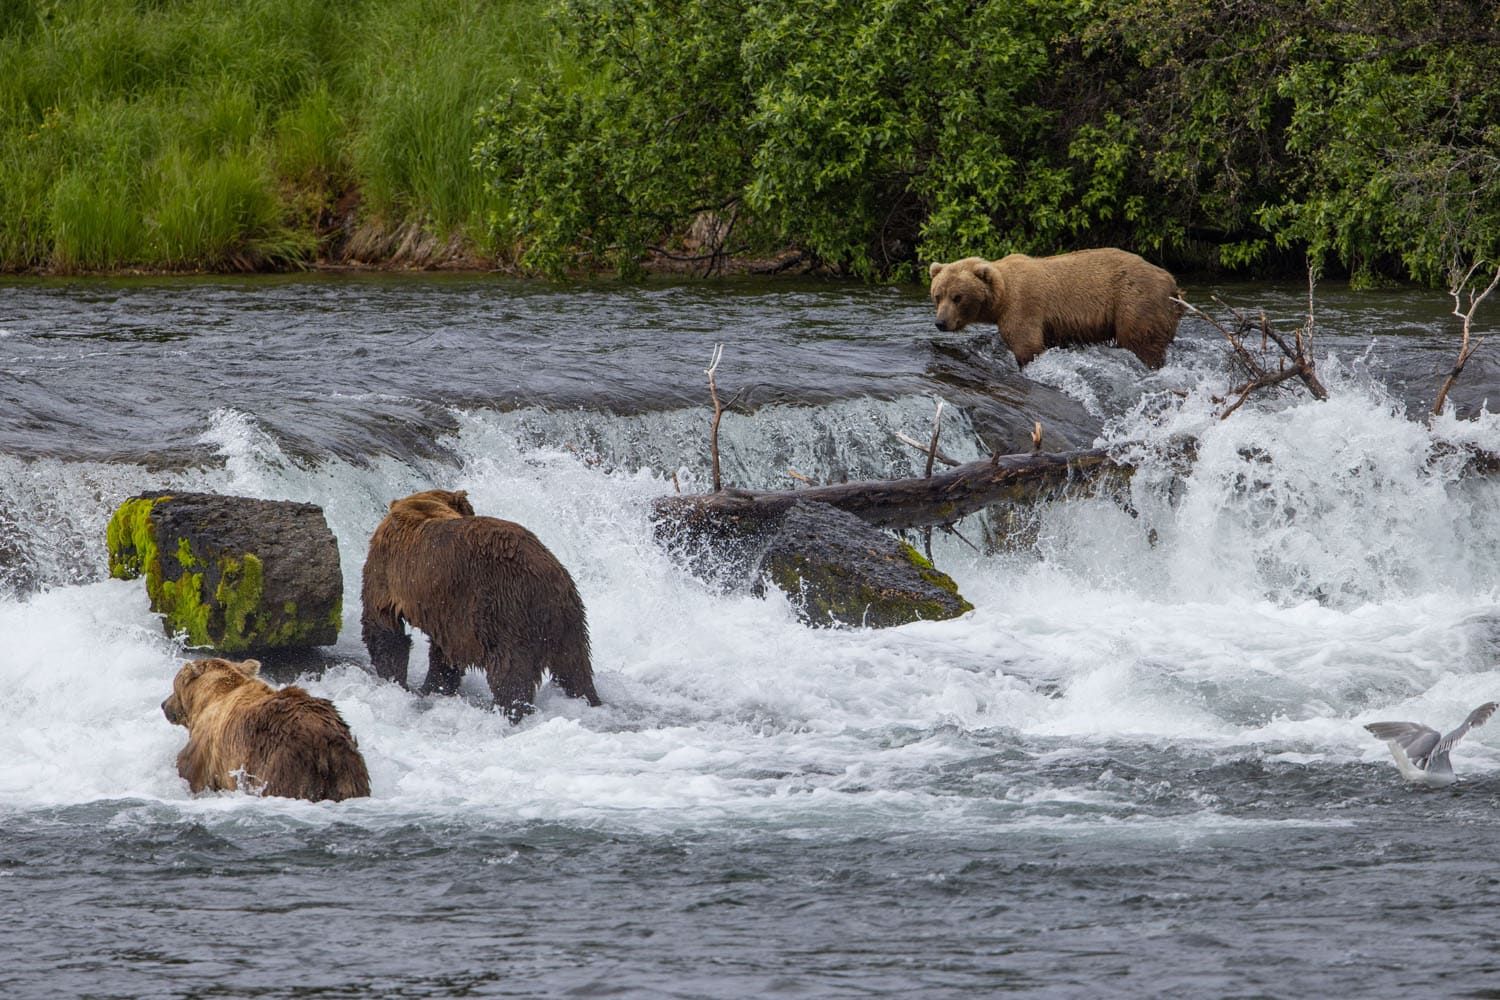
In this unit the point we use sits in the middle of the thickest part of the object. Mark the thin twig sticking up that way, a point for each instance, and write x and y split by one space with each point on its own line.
932 448
1465 348
713 432
937 426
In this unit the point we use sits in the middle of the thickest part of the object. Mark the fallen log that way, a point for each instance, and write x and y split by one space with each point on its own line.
941 498
945 497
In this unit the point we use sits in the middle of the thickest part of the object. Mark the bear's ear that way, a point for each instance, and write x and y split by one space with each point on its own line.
986 274
461 495
934 268
249 668
195 668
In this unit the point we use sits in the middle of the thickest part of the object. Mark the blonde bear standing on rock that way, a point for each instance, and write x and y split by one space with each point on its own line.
1085 297
243 733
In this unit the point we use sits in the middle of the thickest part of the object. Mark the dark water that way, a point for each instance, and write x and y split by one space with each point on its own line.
353 365
1137 769
1380 891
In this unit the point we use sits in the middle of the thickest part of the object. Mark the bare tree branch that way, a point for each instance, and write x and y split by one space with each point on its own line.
1262 375
1466 347
941 455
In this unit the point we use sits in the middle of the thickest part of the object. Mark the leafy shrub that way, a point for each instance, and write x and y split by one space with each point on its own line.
879 134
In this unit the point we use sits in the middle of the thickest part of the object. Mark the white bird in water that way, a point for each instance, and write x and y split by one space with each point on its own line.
1421 754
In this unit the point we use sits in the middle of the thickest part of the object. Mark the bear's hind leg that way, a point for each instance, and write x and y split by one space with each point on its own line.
576 677
443 677
513 686
388 645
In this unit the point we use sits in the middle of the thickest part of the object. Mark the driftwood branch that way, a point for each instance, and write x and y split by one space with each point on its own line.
713 431
940 455
1296 355
1466 347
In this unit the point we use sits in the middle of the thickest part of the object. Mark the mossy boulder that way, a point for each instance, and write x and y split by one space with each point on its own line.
836 568
233 574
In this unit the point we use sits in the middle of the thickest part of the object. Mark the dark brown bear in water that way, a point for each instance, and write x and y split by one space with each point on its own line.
242 733
486 592
1085 297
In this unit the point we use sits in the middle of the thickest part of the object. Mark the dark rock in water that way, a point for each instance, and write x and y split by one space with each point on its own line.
236 574
1003 405
836 568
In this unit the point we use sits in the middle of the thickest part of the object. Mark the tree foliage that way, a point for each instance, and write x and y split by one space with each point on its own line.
871 136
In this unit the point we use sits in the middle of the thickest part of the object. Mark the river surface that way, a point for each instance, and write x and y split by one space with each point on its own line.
1137 768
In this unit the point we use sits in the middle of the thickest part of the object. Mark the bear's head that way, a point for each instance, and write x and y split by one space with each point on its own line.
963 291
200 682
434 505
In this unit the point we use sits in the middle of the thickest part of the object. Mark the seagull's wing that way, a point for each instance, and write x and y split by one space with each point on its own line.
1476 718
1415 740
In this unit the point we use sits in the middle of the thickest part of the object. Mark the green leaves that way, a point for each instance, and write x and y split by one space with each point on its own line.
875 135
864 134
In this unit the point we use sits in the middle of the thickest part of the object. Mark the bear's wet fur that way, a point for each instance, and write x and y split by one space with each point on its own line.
245 734
1084 297
486 592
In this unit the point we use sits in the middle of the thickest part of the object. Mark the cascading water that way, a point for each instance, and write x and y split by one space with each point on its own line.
1152 698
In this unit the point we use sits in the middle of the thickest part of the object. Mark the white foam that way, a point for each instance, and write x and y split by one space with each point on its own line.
1352 584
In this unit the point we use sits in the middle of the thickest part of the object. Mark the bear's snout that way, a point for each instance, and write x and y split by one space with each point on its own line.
942 325
172 709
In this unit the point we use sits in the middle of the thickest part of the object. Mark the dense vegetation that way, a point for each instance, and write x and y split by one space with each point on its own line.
1252 134
253 133
1363 135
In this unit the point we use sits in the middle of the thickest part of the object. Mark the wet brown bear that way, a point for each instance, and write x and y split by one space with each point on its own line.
1085 297
242 731
486 592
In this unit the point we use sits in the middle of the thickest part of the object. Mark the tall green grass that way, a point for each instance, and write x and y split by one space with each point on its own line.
217 134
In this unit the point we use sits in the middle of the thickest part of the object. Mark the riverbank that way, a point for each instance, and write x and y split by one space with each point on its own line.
256 135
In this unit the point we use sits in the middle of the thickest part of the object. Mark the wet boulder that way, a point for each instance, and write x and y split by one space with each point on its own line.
233 574
836 568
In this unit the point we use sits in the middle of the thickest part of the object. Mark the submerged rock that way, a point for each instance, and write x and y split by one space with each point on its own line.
836 568
235 574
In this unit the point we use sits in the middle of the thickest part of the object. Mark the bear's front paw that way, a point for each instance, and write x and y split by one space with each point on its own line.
517 710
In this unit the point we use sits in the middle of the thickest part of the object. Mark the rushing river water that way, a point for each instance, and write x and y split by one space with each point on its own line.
1138 768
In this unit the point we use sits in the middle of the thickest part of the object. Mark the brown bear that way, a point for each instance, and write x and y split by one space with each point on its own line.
486 592
242 733
1085 297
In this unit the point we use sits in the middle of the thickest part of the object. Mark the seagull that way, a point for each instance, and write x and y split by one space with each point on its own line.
1421 754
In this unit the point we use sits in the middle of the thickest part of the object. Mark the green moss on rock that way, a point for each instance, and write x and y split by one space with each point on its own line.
935 577
131 541
181 603
238 596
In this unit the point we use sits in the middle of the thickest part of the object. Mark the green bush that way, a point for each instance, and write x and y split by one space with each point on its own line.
881 134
